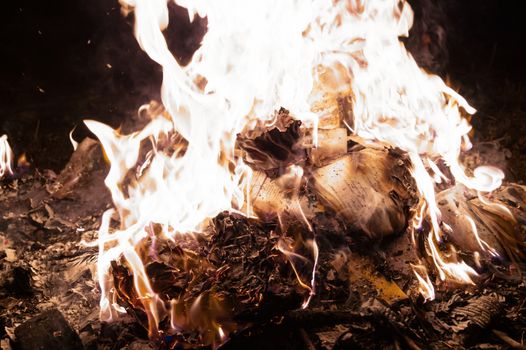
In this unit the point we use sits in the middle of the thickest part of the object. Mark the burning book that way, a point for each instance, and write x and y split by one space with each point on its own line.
299 144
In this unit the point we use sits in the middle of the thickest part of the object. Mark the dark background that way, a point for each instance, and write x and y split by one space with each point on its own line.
68 60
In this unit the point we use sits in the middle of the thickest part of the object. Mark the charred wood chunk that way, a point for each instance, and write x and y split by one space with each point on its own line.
49 330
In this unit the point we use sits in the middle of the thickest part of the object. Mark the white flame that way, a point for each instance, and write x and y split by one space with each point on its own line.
258 56
74 143
6 157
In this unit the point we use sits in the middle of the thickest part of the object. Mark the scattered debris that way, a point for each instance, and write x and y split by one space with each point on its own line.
365 293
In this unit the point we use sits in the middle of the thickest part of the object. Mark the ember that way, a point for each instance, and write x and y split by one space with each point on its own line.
302 182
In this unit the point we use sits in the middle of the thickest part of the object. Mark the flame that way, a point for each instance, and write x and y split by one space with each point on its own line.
426 288
308 261
6 157
182 168
397 103
74 143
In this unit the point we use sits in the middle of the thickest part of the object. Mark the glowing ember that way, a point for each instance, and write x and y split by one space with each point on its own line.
183 168
6 157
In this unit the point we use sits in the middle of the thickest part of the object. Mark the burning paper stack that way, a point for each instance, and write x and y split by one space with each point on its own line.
367 135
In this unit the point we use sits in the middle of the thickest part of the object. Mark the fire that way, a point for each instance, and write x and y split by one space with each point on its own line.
183 168
6 157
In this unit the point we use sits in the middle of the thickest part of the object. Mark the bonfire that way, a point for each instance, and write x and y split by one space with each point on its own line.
300 174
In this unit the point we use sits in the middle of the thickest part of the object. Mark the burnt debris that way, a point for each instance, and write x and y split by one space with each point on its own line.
365 291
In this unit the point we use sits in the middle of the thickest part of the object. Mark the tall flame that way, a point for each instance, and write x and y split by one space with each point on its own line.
256 57
6 157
